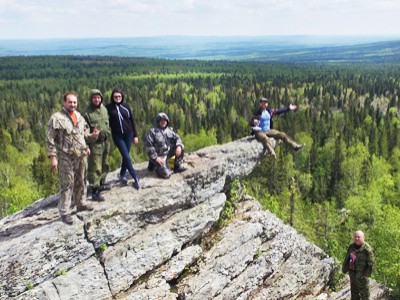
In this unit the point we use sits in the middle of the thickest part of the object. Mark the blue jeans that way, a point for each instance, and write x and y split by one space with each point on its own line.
124 143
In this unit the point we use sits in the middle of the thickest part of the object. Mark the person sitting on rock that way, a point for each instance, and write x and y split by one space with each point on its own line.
262 125
163 143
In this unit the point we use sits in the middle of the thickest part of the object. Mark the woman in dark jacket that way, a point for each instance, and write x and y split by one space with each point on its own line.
123 131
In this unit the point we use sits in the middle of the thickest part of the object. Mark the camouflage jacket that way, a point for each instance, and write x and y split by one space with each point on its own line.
365 260
63 136
158 141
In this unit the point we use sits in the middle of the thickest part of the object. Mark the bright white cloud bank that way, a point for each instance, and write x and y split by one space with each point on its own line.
21 19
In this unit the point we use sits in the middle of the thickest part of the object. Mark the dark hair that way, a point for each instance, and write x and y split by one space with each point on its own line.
69 93
116 90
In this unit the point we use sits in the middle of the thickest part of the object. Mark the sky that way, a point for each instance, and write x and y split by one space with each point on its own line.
47 19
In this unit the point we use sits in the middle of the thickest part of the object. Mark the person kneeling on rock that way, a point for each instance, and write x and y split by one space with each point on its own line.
163 143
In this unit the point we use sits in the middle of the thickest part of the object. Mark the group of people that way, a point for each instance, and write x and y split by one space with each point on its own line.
78 146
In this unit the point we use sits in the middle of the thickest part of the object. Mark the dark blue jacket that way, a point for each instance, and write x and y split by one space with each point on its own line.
272 112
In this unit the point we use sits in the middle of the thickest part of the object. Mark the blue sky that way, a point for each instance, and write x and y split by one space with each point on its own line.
42 19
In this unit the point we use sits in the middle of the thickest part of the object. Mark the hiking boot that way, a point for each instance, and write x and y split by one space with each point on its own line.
104 187
179 169
298 147
85 206
96 196
67 219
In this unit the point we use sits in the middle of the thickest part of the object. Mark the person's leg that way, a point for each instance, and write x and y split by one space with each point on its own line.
363 288
105 166
264 139
280 135
123 144
94 173
163 171
179 155
355 294
80 167
66 180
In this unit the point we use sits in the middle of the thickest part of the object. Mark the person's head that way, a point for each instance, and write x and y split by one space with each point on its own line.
96 97
263 102
162 120
70 101
359 237
117 96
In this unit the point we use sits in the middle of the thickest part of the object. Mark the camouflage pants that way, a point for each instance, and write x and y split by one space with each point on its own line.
71 174
359 287
98 163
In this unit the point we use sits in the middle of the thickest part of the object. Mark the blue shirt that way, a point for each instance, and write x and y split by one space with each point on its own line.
265 121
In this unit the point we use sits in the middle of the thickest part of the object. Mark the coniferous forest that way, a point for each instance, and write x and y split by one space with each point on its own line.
347 177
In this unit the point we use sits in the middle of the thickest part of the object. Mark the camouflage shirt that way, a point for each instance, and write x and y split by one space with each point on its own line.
63 135
359 261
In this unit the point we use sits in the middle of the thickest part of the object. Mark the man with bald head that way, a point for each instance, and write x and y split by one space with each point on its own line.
359 262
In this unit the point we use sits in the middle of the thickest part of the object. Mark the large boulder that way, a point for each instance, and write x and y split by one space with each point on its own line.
161 243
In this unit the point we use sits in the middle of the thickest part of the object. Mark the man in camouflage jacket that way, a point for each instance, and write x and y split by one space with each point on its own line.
359 262
163 143
66 138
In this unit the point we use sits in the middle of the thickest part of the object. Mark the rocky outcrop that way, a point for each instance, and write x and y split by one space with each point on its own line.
160 243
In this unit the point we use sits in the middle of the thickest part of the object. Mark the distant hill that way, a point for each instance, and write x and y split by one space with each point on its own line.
301 49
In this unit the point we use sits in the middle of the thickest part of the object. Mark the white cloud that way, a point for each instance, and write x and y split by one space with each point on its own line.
118 18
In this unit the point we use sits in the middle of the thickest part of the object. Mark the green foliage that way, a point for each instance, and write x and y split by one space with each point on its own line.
347 177
61 272
103 247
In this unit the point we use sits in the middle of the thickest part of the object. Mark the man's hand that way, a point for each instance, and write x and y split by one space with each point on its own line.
95 133
160 160
54 163
292 106
135 140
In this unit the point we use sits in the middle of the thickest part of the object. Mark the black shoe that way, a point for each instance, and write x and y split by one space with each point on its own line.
67 219
123 180
104 187
85 206
136 183
179 169
98 197
150 166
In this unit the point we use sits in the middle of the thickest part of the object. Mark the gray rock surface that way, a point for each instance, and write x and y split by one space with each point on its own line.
160 243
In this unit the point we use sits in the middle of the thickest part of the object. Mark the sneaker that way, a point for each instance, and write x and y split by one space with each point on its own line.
67 219
85 206
104 187
123 180
98 197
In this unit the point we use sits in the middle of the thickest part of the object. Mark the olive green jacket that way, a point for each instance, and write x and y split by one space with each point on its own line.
97 116
365 260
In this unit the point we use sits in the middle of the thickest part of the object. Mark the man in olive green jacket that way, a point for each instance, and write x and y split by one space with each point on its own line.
96 116
359 262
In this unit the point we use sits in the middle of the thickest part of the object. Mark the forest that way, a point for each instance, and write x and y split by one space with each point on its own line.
347 177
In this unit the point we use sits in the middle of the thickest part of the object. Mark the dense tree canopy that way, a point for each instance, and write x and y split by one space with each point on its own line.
347 177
